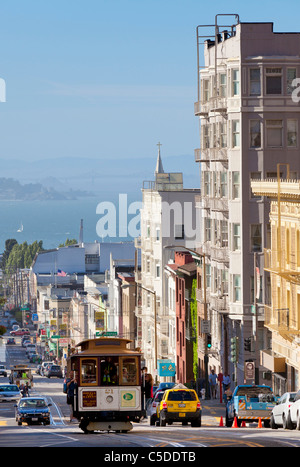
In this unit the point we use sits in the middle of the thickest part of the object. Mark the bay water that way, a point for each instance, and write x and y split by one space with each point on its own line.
55 221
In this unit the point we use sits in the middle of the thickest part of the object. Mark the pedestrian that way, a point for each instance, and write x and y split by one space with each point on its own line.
226 382
71 386
213 384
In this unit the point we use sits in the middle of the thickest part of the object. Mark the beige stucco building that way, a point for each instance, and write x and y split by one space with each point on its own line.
282 261
249 122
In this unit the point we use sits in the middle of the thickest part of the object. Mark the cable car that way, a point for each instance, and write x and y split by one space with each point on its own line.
107 396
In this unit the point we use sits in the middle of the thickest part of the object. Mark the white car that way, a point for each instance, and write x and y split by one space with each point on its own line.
44 366
294 413
280 414
151 406
9 392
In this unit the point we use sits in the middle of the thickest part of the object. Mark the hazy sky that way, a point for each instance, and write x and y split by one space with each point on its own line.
108 78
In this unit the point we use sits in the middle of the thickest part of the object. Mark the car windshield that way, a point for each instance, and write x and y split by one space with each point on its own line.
9 388
159 396
181 396
256 393
32 403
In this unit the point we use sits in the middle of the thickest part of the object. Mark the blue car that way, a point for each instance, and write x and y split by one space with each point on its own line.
33 410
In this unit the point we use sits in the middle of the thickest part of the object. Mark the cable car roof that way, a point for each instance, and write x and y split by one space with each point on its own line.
106 345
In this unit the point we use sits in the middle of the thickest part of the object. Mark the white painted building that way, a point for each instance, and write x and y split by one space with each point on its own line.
168 218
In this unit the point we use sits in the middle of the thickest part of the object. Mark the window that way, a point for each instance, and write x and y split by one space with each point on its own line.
255 89
256 238
109 371
224 233
235 133
237 291
255 134
205 136
223 83
235 185
235 82
207 223
292 127
206 180
89 373
273 81
290 76
236 237
223 134
223 184
274 133
128 371
205 90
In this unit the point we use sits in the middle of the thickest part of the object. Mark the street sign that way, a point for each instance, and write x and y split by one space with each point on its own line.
166 368
109 334
55 337
250 370
205 326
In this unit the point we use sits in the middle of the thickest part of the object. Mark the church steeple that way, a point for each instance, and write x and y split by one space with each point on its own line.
159 167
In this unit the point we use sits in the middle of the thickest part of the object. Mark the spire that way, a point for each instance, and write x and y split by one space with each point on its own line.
81 232
159 167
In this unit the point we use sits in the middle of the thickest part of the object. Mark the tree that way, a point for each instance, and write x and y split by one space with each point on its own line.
21 256
9 244
68 242
194 320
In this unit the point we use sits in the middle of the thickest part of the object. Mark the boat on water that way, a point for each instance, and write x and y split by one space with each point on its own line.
21 228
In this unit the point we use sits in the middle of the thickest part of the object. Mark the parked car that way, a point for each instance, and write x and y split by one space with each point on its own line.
9 392
33 357
293 416
53 370
44 366
280 414
38 370
3 371
30 348
152 406
10 341
25 341
180 404
33 410
163 387
20 332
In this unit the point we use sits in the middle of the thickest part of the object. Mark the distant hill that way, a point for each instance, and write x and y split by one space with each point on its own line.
97 175
11 189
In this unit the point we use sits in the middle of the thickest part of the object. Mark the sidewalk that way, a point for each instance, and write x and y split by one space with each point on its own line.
212 411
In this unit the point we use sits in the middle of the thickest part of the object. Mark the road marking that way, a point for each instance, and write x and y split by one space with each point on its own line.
3 423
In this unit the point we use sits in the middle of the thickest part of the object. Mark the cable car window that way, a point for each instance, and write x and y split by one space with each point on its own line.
109 371
89 374
129 371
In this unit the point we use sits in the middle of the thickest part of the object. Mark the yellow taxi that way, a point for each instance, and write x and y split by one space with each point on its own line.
179 404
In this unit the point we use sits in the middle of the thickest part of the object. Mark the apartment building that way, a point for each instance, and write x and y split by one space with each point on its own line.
249 122
168 219
282 260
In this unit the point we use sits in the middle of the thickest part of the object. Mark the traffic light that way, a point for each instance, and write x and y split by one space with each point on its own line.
234 349
248 344
208 341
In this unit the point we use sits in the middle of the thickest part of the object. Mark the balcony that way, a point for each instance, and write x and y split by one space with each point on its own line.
219 254
201 155
200 110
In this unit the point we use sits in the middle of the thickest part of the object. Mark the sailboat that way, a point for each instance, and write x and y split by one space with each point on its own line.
21 228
